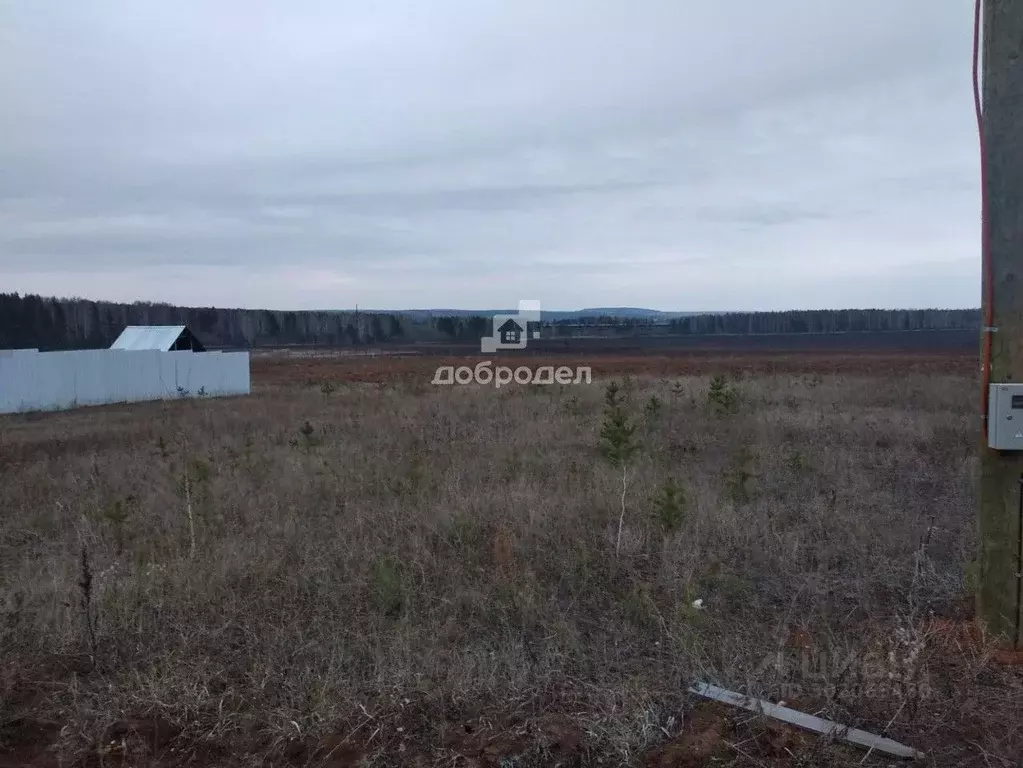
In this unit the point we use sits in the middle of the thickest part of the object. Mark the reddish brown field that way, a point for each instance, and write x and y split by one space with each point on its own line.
386 368
352 567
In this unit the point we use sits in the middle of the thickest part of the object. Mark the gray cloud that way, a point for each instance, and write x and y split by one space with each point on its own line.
321 154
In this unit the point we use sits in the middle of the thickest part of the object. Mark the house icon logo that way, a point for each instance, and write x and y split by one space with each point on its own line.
512 331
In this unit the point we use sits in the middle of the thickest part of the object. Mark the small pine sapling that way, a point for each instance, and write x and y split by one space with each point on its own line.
617 445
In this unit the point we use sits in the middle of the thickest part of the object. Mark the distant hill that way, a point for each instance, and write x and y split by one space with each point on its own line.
630 312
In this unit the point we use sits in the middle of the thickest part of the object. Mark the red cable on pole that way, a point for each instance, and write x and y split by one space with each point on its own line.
985 371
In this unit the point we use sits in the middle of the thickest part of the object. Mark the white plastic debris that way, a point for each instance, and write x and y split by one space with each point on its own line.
808 722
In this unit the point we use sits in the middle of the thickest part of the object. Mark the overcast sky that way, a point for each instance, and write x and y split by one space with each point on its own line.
674 154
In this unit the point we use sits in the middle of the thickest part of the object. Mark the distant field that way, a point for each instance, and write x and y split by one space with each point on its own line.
956 342
960 342
940 351
353 567
383 368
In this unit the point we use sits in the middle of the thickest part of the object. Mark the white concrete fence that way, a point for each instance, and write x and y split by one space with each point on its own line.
44 381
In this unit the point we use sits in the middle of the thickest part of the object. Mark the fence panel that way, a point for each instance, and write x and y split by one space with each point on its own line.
31 381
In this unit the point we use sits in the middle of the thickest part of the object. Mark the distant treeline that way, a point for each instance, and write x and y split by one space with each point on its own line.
47 323
792 321
44 323
830 321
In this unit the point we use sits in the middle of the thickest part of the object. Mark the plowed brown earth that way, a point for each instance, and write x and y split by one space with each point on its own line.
289 370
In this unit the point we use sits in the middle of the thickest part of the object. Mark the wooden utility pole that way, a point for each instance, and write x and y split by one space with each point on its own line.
1000 597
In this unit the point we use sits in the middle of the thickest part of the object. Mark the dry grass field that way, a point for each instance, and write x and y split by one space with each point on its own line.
355 568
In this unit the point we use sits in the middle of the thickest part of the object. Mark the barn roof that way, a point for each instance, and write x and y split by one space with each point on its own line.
157 337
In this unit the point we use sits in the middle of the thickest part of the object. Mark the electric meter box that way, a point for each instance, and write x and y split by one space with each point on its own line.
1005 417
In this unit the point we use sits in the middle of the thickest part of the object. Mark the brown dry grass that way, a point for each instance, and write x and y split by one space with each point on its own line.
426 574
